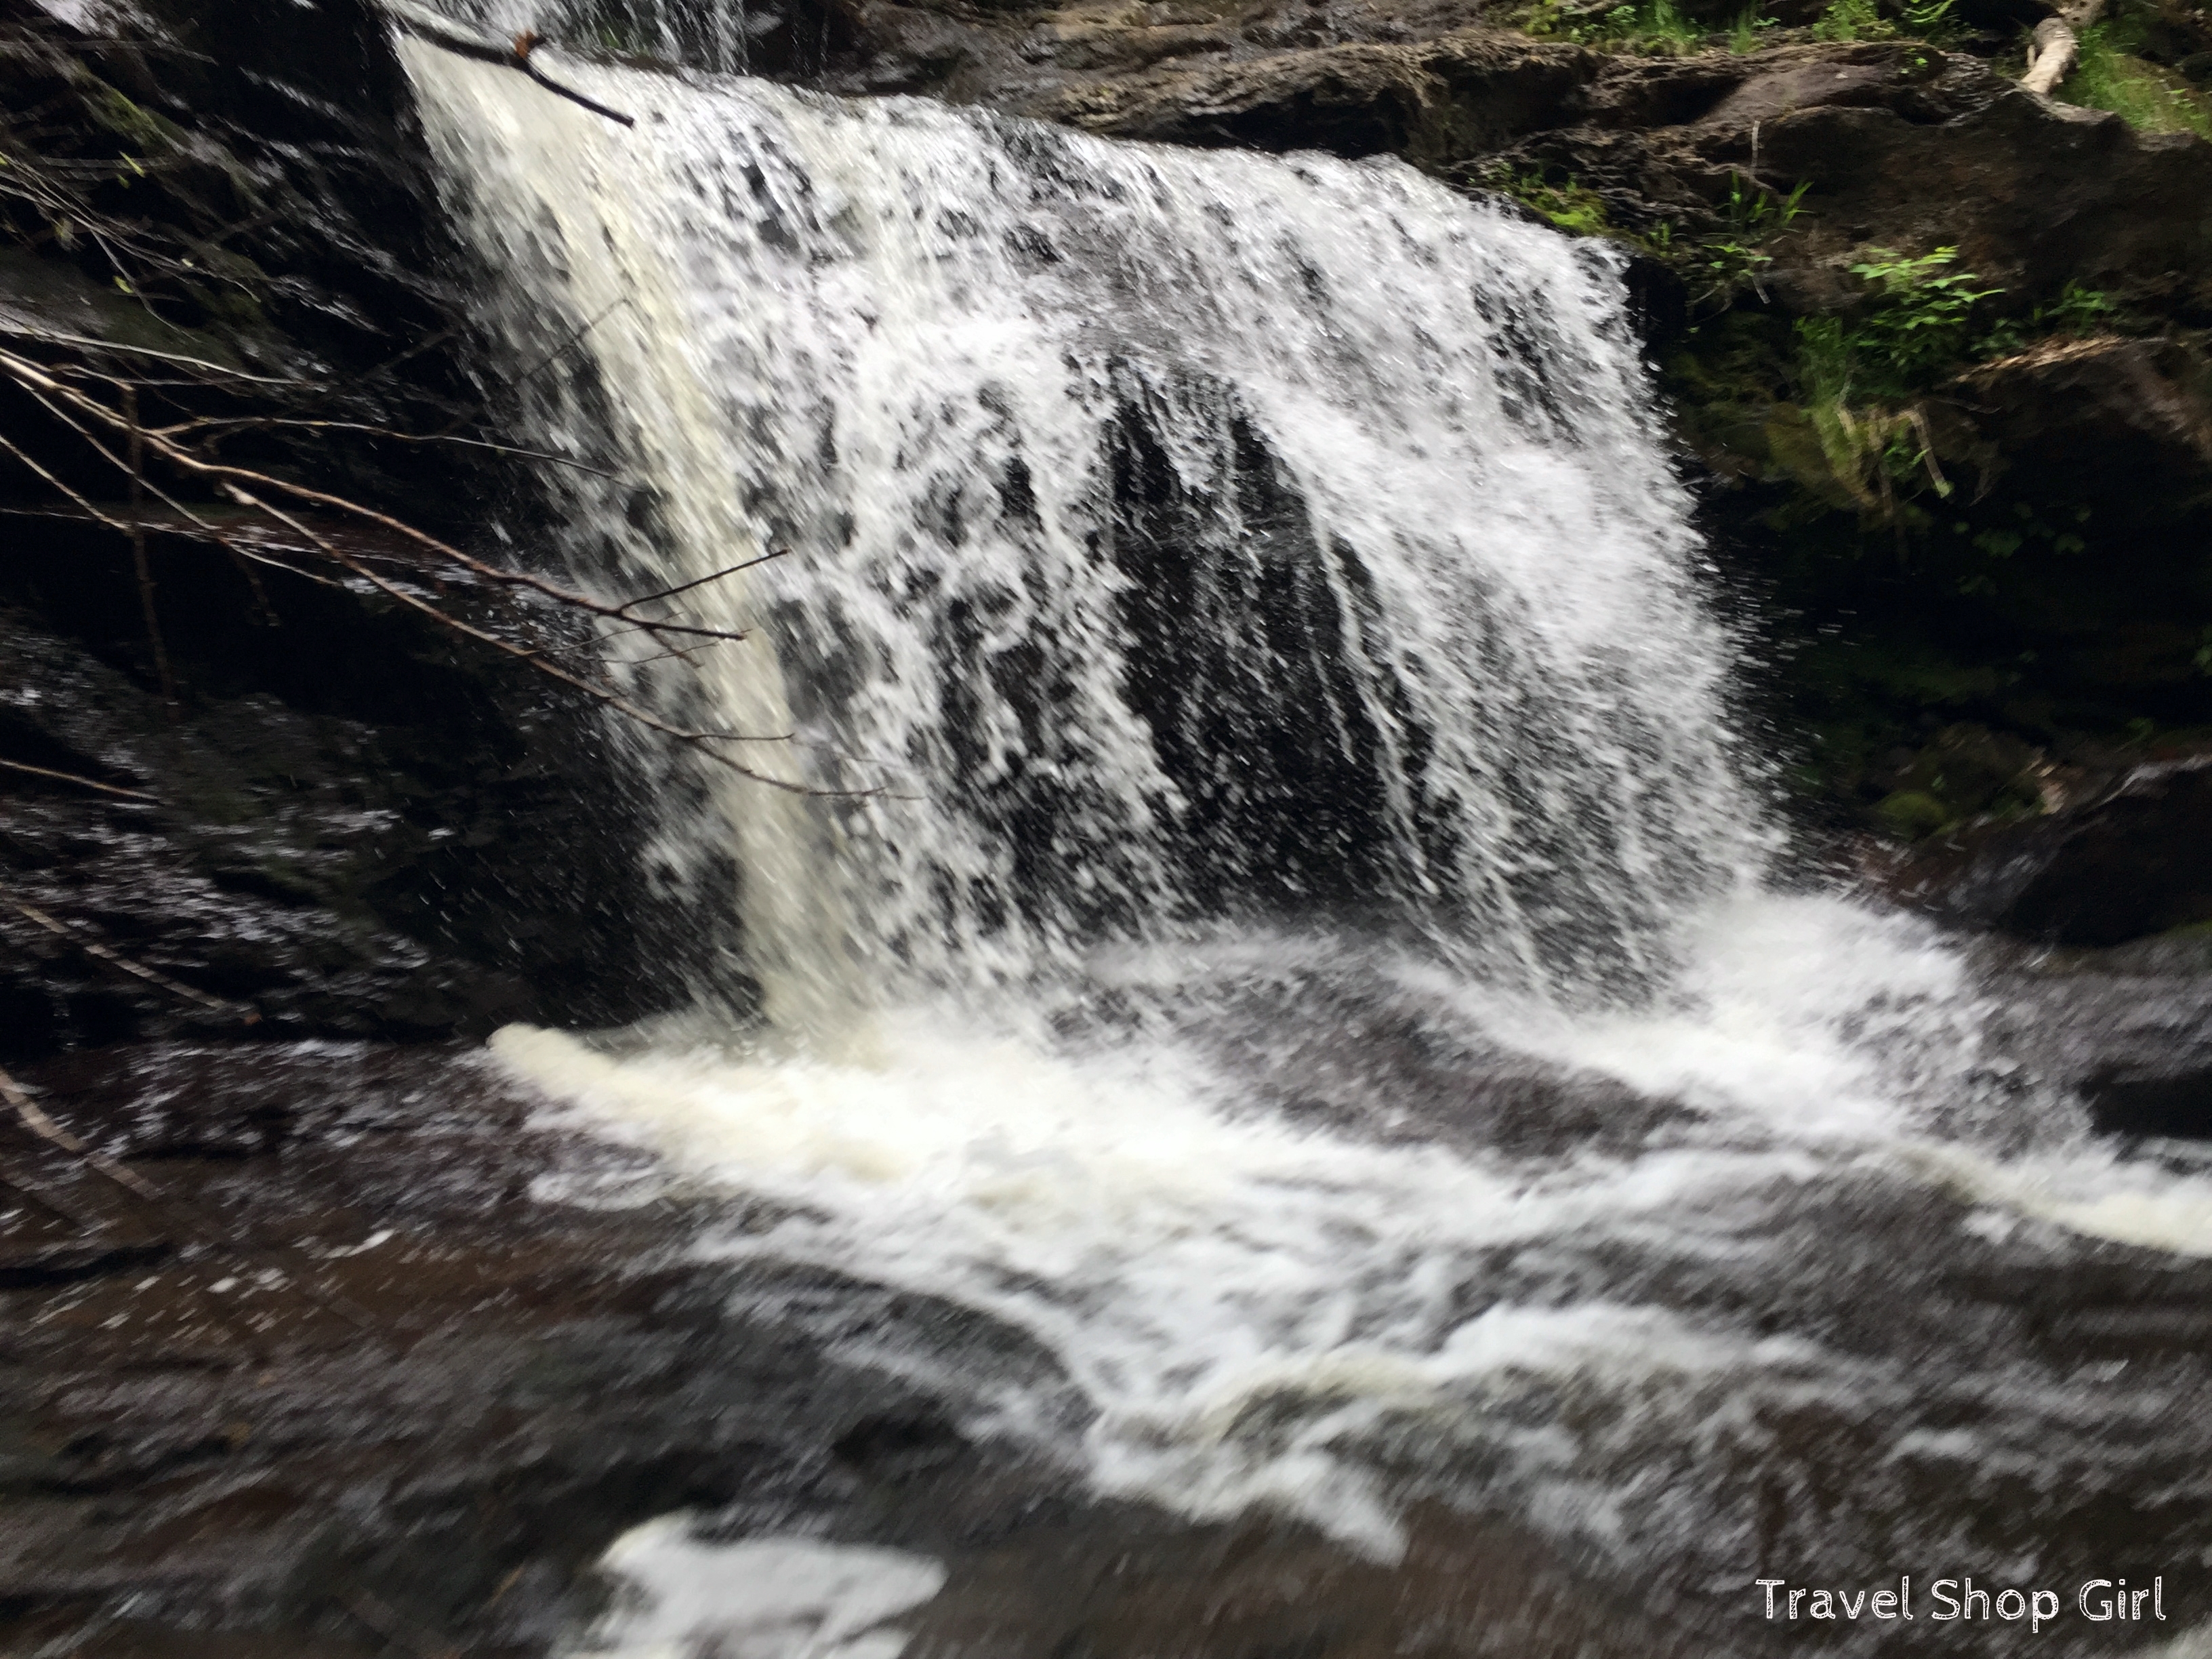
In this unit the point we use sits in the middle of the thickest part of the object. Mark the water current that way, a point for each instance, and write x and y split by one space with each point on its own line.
1265 903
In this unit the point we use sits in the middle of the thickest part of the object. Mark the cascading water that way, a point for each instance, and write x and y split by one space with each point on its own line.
1237 627
1160 528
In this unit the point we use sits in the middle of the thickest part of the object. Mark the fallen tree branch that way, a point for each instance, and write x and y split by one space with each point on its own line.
226 424
436 31
34 1119
139 561
179 1212
2056 45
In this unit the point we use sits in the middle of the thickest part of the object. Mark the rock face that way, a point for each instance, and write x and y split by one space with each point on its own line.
1901 144
352 822
2132 858
2130 1028
344 830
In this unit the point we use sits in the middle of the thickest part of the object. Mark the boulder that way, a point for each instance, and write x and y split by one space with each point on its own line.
2129 419
2128 860
2130 1028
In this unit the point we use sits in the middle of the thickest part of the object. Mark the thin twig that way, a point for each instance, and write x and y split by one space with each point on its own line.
86 343
45 1128
246 1014
536 659
33 376
551 357
268 423
115 525
71 777
685 588
138 559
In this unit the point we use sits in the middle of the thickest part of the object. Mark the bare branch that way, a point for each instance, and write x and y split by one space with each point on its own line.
245 1014
536 659
84 342
82 783
34 376
437 32
685 588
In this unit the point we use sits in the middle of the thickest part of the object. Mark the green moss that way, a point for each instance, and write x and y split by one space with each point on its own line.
1655 27
1853 20
152 133
1573 208
2149 98
1911 815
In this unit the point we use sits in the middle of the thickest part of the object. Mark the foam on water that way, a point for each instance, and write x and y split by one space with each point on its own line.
758 1598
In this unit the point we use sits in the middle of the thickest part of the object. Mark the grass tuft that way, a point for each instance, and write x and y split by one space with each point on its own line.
2149 98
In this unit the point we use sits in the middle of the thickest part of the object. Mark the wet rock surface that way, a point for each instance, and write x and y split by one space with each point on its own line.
2131 1028
1900 144
314 809
394 1357
2124 859
339 832
391 1364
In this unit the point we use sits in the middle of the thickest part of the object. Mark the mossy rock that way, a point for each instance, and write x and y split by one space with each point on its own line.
1912 814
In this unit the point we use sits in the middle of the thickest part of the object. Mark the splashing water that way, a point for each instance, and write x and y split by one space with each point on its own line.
1246 627
1167 531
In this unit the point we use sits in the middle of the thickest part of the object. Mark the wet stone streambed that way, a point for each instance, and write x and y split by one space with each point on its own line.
401 1352
357 1388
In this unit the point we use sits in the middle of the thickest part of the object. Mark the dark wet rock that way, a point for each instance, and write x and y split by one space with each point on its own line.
1462 96
2130 858
344 832
373 1375
2129 1027
1901 145
2132 417
2139 1048
1378 1061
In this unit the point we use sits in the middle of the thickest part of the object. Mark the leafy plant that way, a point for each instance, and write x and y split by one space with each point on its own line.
1853 380
1658 25
1930 21
1574 208
1733 257
1745 31
2078 311
1874 456
1918 321
1853 20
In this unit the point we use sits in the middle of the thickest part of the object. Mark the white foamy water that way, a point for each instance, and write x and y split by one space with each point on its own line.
758 1598
1251 614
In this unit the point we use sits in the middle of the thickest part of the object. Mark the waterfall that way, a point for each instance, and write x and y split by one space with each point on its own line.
1235 642
1162 535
